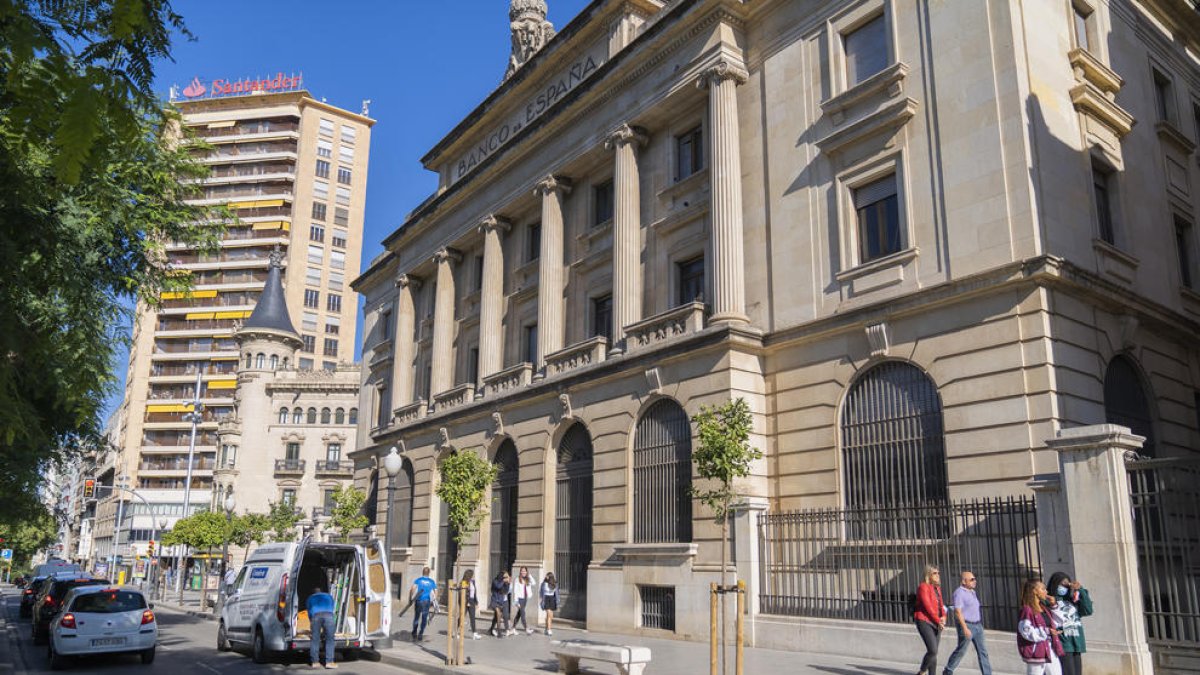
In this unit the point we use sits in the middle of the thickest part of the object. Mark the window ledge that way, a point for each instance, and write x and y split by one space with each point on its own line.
595 232
889 262
887 119
685 185
1170 133
890 79
1115 262
653 552
1090 69
1090 100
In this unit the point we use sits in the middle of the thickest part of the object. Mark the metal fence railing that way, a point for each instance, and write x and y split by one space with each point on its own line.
1165 496
865 563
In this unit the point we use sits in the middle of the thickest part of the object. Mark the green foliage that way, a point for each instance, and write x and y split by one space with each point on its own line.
249 528
29 536
282 519
347 513
202 531
724 453
90 193
463 488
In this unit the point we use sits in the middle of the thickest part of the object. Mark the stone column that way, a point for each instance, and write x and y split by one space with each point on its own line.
627 232
553 190
442 372
1095 485
492 297
728 283
402 361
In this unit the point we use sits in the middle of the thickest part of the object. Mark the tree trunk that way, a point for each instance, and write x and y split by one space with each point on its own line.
724 581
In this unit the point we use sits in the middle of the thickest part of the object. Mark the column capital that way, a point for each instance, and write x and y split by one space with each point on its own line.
624 135
408 281
447 255
719 71
552 183
492 222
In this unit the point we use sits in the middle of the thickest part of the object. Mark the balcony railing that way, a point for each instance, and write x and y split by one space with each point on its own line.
251 170
335 467
669 325
452 398
592 350
247 129
510 378
290 467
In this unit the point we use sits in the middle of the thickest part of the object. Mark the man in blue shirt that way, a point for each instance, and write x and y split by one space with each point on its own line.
320 618
969 622
422 594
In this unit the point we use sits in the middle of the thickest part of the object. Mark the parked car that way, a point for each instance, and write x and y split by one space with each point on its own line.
30 596
49 604
264 606
103 620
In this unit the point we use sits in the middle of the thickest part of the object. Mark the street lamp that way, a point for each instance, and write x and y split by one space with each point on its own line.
195 417
122 482
392 464
229 504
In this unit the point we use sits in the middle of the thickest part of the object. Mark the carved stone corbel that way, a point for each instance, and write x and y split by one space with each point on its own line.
653 380
879 337
564 401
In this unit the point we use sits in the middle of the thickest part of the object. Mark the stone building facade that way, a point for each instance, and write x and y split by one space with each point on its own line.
919 240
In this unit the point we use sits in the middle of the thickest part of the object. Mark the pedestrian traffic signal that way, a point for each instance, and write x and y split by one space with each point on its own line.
150 549
89 488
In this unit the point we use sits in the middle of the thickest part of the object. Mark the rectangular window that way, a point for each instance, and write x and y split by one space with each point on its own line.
473 365
691 280
866 50
334 303
337 260
332 328
333 452
602 316
322 169
1080 16
533 242
324 149
318 211
689 153
320 189
304 364
658 607
292 452
331 345
312 298
310 344
343 196
328 365
602 203
308 321
1164 98
343 175
346 155
316 254
339 238
288 496
316 232
383 405
336 280
312 276
529 343
326 127
341 216
878 209
1101 180
348 134
478 278
1183 247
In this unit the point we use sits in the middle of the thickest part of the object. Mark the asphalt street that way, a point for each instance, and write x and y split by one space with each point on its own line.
186 646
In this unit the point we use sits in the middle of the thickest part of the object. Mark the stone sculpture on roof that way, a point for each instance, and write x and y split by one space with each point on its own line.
530 32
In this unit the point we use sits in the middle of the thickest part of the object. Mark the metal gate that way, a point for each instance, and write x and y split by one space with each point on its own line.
573 522
662 475
1165 496
504 510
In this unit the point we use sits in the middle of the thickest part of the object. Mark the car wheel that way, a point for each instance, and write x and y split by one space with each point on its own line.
222 638
57 661
148 656
259 650
351 655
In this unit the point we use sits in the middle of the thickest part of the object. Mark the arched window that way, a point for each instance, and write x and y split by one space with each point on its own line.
354 416
274 361
504 509
297 416
249 360
573 521
662 475
260 361
339 416
403 508
1126 403
893 451
312 415
283 415
325 415
285 363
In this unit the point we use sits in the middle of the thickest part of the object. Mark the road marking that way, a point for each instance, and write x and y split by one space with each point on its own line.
208 667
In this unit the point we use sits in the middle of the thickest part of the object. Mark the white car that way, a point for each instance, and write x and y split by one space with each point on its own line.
103 620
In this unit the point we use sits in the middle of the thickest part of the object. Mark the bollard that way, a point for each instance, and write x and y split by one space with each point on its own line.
741 616
450 652
463 589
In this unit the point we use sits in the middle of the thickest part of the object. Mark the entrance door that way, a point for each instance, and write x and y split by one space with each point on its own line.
503 551
573 522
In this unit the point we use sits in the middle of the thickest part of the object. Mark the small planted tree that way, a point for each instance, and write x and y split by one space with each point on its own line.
203 531
347 513
249 528
723 456
282 518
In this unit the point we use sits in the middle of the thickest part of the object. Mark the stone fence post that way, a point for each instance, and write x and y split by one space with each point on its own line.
744 515
1095 487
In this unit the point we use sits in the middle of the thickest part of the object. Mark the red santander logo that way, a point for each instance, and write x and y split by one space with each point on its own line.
194 89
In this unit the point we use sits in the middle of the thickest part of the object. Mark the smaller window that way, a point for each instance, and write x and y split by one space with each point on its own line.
337 260
332 328
312 298
341 216
346 155
324 149
1164 98
283 415
354 416
602 203
322 169
530 343
336 280
339 238
309 321
691 280
326 127
260 361
304 364
333 452
316 254
477 279
1101 188
878 209
866 50
297 416
533 242
328 365
326 415
320 189
316 232
1081 17
339 416
343 196
312 276
331 347
274 361
333 303
293 451
249 362
288 496
343 175
318 211
1183 247
311 416
348 134
473 365
602 316
689 153
309 346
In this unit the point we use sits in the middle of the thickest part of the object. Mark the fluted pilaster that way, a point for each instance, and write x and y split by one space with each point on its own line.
553 190
627 231
492 296
442 370
728 284
402 362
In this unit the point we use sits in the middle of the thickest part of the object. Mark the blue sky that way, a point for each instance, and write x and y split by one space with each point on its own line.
424 65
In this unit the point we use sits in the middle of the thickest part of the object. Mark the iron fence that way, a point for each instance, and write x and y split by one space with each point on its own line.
1165 496
865 563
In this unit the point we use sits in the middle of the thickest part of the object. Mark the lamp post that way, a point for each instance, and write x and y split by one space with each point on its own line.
122 482
392 464
229 504
195 417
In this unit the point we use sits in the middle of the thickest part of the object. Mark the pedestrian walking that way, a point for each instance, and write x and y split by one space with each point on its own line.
1069 602
969 622
322 626
929 613
422 595
549 593
1037 635
522 592
498 603
472 600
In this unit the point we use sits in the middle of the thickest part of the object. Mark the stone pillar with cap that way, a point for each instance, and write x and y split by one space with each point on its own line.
402 365
728 283
491 308
442 358
627 231
551 275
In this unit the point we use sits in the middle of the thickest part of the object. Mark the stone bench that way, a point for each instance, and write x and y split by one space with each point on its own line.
629 660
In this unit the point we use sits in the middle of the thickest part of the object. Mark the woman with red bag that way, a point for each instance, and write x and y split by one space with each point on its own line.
929 613
1037 635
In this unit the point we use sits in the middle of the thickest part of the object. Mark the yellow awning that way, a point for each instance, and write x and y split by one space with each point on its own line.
222 384
194 316
167 407
270 225
224 358
222 125
262 203
240 314
181 295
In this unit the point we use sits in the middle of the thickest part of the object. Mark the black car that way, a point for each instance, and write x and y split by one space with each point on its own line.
30 595
49 603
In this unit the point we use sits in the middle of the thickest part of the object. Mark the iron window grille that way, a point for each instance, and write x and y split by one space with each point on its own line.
662 475
1126 403
658 607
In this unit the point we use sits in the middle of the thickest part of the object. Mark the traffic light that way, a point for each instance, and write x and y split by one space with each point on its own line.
150 549
89 488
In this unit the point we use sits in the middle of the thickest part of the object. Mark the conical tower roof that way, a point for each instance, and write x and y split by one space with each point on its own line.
271 312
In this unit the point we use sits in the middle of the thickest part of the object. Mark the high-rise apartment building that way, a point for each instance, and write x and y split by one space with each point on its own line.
294 171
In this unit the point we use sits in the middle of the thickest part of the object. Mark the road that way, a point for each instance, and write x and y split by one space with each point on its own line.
186 646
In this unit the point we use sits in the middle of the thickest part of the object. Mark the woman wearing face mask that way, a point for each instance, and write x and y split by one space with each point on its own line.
1069 601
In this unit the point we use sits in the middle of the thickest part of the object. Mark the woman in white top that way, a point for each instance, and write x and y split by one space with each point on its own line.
550 600
522 592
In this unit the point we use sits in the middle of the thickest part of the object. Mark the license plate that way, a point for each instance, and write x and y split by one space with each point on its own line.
107 642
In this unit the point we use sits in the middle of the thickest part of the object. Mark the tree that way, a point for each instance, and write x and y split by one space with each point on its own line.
347 513
202 531
723 456
29 537
282 519
463 489
90 193
249 528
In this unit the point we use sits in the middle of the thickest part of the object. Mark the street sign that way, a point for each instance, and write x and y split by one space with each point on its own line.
6 555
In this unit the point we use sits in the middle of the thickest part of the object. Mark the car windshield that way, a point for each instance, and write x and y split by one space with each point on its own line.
109 601
60 589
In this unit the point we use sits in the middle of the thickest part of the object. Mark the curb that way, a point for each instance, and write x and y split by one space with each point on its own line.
418 666
182 610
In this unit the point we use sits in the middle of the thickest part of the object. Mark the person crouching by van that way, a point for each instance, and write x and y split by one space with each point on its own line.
550 600
498 603
320 621
422 594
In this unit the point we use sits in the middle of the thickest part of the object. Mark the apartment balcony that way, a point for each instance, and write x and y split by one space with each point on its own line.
664 327
249 157
241 196
508 379
335 468
187 355
289 467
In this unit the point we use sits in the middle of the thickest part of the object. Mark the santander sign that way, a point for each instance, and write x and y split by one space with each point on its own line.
281 82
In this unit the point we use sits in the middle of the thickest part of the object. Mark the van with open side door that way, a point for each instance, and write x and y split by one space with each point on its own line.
264 607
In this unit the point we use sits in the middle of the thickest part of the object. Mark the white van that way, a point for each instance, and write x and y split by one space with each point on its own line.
264 608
